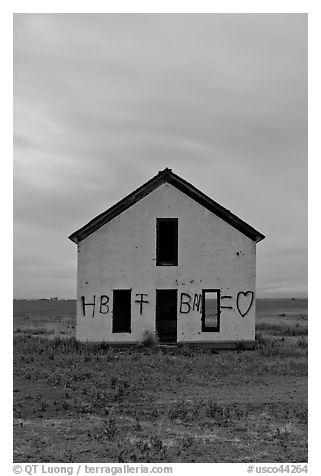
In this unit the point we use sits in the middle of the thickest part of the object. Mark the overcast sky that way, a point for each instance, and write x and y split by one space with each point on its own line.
102 102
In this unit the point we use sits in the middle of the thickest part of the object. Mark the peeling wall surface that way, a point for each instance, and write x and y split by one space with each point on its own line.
122 255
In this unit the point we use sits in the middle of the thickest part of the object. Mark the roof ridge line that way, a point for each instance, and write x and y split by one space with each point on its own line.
163 176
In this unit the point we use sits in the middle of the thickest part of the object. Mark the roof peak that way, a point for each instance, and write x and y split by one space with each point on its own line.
166 170
166 176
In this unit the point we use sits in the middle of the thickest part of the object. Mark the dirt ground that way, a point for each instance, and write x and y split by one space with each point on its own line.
88 402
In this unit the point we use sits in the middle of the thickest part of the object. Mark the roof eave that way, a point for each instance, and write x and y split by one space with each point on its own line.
73 237
259 237
165 176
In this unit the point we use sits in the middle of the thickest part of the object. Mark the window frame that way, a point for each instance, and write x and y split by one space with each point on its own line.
158 261
129 291
217 327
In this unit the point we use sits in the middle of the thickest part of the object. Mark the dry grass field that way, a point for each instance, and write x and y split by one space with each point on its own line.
78 402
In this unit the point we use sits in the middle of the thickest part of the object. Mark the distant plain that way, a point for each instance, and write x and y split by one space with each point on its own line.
78 402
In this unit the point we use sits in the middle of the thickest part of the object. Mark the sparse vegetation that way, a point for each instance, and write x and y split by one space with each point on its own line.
149 338
149 403
303 342
35 331
283 329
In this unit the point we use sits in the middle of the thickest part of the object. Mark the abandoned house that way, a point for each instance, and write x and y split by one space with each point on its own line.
167 259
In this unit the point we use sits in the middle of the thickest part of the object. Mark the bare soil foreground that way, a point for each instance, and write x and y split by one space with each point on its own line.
87 402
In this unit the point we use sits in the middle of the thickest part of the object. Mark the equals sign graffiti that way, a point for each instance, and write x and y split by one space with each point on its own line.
226 307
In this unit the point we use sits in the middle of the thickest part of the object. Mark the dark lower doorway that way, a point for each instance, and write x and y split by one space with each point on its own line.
166 315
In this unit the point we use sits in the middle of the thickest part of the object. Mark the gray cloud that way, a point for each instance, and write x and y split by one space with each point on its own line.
104 101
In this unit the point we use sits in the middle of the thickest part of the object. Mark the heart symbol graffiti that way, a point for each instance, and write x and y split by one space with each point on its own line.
244 302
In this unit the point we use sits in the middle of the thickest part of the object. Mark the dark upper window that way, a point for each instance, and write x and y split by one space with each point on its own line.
122 310
210 310
167 242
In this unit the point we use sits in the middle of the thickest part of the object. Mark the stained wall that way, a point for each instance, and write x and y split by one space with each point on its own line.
122 255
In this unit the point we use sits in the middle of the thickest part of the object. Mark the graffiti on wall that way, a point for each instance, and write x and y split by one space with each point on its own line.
103 306
244 302
141 302
187 303
226 307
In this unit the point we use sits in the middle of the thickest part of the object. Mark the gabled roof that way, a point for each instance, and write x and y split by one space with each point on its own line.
166 176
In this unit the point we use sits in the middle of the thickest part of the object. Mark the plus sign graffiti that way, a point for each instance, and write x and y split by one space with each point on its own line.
141 301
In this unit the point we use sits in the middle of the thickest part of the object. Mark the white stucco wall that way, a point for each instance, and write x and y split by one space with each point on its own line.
122 255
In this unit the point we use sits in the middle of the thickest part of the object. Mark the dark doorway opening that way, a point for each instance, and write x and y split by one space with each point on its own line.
166 315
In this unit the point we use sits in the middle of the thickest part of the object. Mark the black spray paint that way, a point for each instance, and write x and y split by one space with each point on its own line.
141 302
187 303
